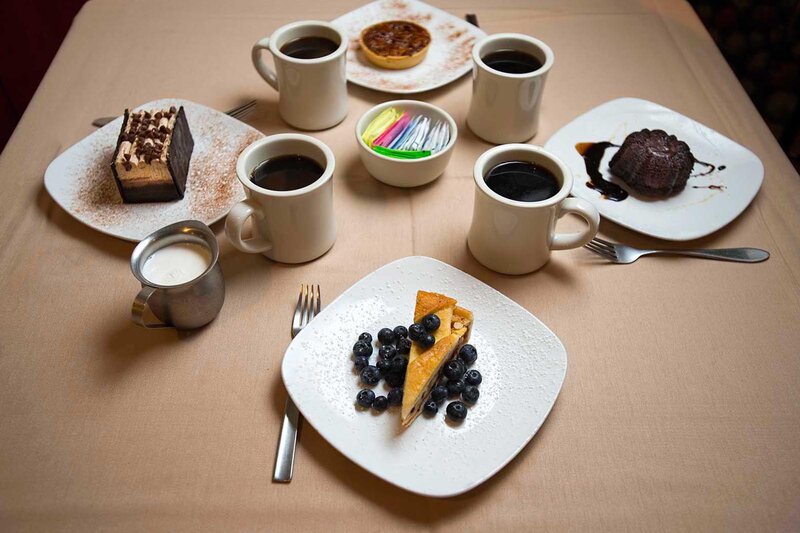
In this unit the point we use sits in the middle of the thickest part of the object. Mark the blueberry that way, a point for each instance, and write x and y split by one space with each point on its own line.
361 362
431 322
416 331
395 396
386 336
403 346
454 369
468 354
365 397
387 351
427 340
400 332
439 393
380 403
430 407
362 349
470 394
395 379
473 377
370 375
457 411
384 366
456 387
365 337
398 364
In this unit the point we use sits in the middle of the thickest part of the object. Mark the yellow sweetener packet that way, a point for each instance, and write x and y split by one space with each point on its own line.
379 124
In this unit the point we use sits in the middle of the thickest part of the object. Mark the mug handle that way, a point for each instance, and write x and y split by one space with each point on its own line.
585 210
237 216
139 306
258 62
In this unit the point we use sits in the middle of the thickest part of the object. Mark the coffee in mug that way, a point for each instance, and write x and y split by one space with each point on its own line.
286 172
288 180
309 47
309 75
523 181
508 76
512 61
520 193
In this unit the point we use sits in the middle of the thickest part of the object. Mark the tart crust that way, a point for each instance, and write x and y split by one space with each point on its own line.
395 44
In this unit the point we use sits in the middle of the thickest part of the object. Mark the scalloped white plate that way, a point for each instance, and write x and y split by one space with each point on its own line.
523 365
80 179
449 54
707 204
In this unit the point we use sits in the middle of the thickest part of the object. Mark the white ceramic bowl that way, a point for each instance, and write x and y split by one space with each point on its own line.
406 172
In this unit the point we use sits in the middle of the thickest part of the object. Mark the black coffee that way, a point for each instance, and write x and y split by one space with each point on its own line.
309 47
522 181
286 173
512 61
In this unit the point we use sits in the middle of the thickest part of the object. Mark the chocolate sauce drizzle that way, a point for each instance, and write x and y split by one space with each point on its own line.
710 167
593 152
713 187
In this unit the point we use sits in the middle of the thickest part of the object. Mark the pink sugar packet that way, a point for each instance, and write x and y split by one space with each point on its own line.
386 138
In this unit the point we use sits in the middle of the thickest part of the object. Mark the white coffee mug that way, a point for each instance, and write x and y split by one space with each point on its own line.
515 237
288 226
312 92
505 107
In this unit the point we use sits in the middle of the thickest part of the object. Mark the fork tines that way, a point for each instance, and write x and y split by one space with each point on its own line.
308 304
602 248
240 111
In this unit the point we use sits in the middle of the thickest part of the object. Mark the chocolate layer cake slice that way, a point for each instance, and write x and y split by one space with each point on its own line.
151 161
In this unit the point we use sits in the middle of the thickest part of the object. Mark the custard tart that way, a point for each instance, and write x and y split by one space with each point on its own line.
395 44
425 364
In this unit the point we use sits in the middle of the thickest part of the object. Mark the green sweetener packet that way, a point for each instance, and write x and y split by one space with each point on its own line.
402 154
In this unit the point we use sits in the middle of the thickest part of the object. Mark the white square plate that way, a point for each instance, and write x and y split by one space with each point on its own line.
449 55
81 182
522 362
696 211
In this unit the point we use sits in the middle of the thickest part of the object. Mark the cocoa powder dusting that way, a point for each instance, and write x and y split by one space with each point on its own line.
211 186
449 55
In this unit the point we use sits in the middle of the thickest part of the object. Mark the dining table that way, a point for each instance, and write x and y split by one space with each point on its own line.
680 410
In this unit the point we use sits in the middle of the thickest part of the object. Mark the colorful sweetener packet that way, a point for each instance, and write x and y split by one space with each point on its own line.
395 133
401 154
379 124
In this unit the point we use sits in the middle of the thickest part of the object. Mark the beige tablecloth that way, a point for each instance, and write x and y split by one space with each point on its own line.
680 406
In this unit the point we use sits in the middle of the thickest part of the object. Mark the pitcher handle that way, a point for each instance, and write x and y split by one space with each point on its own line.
258 61
139 306
585 210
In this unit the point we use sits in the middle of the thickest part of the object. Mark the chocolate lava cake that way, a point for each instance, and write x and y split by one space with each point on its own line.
654 162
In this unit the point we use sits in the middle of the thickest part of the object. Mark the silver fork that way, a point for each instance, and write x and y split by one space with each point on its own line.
307 307
236 112
623 254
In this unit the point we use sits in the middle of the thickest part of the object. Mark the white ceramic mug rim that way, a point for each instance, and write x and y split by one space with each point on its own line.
479 171
275 37
548 55
360 126
244 177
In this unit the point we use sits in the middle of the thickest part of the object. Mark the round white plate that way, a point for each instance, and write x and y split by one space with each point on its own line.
707 204
523 365
81 182
449 55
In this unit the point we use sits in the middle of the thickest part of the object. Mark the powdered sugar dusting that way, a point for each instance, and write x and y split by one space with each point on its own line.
449 56
80 179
